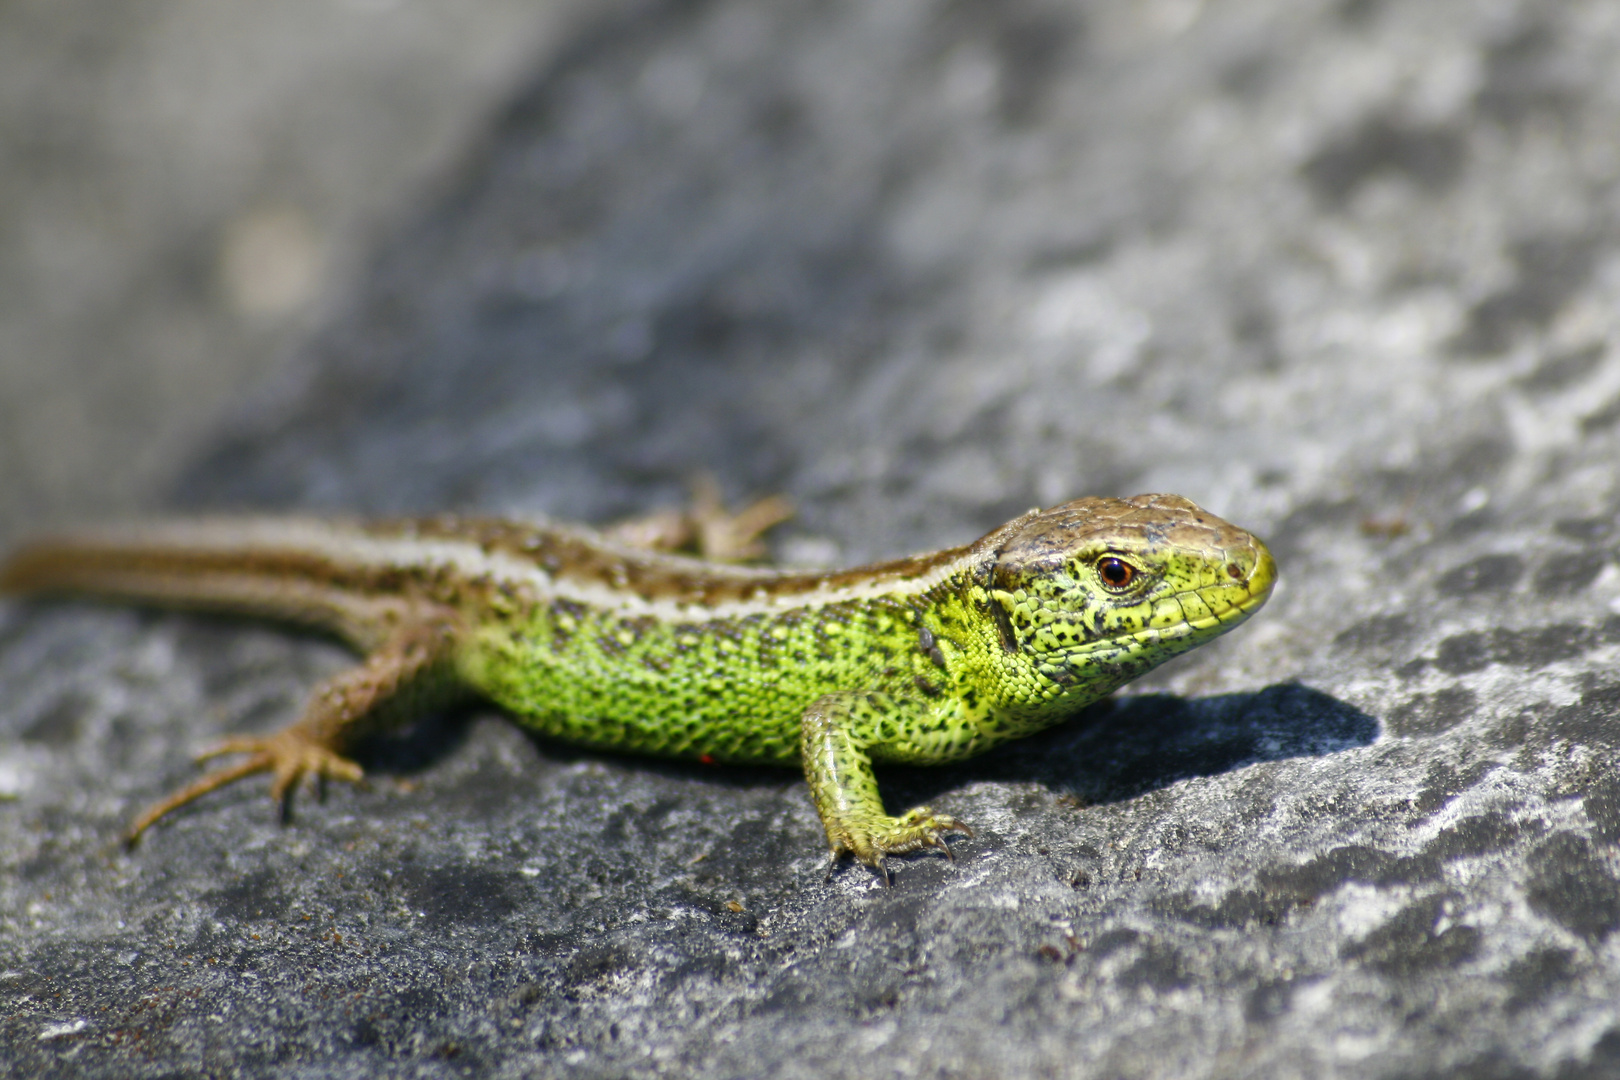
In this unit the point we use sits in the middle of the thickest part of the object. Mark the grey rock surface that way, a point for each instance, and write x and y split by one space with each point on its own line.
1342 272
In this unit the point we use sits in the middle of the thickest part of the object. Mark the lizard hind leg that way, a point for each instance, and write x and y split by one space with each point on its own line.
408 673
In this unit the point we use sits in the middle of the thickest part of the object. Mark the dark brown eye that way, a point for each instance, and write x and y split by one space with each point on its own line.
1116 573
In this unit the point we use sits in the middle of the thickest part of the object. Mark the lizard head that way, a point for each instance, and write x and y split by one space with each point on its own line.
1090 594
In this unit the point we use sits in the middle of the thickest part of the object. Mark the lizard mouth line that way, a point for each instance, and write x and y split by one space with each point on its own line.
1229 617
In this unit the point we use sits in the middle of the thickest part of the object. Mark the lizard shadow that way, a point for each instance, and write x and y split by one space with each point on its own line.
1125 747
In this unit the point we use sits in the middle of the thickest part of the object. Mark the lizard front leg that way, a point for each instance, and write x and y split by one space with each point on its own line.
410 672
837 735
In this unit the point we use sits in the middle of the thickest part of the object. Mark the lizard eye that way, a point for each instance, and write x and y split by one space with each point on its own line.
1116 574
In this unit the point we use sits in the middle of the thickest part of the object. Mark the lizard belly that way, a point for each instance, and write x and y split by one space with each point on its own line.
732 687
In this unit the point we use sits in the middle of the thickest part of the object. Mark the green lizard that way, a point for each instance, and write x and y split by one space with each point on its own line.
584 638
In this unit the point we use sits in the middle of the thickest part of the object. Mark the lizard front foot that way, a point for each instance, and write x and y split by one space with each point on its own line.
872 841
288 755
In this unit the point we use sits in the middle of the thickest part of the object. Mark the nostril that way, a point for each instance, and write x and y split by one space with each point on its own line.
1234 571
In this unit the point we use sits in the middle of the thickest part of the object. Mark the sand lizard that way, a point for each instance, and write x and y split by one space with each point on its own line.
586 638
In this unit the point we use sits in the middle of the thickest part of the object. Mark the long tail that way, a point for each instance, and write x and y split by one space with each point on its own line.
331 576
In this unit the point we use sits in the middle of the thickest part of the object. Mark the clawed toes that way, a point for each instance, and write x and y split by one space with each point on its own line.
288 756
913 832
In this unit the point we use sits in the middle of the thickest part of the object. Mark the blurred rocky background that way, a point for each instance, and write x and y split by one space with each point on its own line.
1344 271
189 187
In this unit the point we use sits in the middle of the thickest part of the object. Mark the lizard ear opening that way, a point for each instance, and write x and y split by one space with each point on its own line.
998 615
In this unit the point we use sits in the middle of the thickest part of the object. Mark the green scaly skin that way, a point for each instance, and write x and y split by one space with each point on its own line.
924 660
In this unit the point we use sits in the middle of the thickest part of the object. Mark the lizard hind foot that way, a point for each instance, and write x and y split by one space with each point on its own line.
707 529
287 755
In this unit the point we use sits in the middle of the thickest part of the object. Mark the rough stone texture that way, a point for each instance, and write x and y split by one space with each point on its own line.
1343 272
